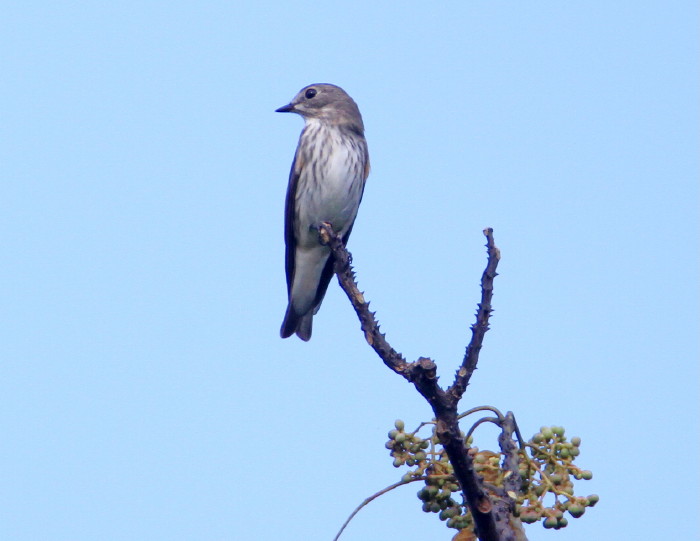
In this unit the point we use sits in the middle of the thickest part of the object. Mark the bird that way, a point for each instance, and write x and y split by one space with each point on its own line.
326 184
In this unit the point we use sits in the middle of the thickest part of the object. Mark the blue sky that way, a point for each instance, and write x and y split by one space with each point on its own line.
146 393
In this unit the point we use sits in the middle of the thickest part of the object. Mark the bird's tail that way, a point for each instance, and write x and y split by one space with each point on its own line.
294 323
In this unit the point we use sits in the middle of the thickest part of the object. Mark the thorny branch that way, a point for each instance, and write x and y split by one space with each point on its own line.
492 518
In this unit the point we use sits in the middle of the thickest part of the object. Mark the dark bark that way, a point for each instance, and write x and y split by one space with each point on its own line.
492 516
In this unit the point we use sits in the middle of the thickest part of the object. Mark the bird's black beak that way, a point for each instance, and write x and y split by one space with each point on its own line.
289 108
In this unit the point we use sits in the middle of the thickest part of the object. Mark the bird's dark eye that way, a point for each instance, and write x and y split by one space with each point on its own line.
310 93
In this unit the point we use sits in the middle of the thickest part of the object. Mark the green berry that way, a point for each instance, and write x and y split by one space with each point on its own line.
547 432
550 522
529 517
576 510
451 512
399 424
587 475
558 430
593 499
576 441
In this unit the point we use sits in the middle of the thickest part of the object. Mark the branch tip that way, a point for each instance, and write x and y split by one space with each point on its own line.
423 374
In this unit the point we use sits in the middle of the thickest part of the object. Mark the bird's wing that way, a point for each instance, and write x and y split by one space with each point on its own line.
289 212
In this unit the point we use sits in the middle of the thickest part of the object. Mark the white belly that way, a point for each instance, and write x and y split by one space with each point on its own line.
333 197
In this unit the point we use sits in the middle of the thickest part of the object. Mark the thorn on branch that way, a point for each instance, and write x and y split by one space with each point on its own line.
423 374
481 326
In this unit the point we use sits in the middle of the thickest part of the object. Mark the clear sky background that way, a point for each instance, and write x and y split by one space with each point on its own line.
145 393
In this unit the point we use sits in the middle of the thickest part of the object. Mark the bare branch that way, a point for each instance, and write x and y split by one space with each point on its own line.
368 323
510 452
511 528
371 498
492 519
471 356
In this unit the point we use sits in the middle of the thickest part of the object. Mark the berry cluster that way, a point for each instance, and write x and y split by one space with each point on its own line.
407 448
549 469
431 465
546 467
